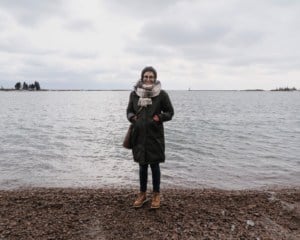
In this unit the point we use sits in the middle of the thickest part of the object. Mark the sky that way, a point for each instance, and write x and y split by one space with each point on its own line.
196 44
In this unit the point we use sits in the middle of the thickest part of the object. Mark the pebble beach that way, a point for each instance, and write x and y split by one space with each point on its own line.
107 213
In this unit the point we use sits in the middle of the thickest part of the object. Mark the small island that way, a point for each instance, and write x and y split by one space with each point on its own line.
285 89
27 87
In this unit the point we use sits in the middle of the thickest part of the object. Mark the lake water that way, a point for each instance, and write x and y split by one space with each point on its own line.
222 139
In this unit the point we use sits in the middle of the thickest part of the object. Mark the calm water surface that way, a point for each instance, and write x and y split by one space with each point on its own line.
223 139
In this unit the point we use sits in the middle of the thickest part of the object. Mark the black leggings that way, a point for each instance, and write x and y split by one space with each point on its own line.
155 169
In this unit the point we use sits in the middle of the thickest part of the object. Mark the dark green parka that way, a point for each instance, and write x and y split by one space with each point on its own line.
147 139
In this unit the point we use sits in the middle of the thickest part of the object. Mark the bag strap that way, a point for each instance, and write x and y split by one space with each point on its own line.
139 111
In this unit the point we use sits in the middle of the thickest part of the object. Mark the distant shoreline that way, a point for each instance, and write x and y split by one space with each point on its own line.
65 90
125 90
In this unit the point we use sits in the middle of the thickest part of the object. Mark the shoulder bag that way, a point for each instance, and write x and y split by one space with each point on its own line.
127 140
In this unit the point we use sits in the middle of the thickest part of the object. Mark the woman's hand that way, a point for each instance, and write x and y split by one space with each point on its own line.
156 118
133 119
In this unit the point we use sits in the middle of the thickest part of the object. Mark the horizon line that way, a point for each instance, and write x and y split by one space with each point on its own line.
52 89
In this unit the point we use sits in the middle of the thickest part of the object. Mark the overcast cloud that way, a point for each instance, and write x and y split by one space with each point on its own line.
207 44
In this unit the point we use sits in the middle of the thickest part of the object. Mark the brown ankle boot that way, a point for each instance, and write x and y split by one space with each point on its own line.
155 200
140 200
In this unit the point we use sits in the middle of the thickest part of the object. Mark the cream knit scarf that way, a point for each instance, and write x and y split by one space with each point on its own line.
146 92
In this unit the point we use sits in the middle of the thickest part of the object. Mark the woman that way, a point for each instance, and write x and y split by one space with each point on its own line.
149 106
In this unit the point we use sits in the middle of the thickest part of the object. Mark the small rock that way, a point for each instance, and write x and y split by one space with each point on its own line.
288 207
272 197
250 223
232 227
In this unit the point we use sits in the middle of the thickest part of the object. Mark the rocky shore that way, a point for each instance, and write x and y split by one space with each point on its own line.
41 213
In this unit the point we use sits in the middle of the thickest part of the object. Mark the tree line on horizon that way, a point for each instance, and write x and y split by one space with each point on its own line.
285 89
25 86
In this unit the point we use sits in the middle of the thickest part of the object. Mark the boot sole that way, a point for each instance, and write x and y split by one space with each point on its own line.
154 207
139 206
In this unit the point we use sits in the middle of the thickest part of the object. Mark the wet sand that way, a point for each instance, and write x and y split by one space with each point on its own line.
46 213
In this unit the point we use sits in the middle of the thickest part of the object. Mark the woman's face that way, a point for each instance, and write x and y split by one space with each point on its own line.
148 77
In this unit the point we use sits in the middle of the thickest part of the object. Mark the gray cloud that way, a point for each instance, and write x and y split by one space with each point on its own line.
194 43
23 46
185 39
175 34
80 25
140 9
82 55
234 34
31 12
